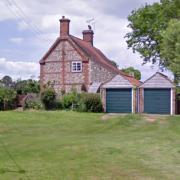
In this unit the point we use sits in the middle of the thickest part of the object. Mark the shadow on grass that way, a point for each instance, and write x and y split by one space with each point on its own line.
6 170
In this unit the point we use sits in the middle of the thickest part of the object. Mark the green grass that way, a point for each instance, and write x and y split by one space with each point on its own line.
81 146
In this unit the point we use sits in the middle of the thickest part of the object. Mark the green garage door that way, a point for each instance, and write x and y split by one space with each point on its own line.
157 101
118 100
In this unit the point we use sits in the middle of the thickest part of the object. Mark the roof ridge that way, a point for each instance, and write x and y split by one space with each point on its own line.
108 60
163 75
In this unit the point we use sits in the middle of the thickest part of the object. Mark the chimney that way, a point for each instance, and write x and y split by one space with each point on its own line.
88 35
64 26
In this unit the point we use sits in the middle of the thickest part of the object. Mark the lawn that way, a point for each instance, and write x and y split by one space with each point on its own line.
83 146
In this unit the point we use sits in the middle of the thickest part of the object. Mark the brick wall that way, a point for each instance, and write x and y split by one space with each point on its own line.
141 100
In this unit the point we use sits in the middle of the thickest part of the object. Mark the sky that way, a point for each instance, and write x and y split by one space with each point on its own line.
29 28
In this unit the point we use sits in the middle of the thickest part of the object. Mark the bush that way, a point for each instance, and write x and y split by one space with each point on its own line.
58 104
48 98
33 104
68 100
90 103
7 99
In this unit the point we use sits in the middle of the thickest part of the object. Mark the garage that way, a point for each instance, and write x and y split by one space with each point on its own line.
119 100
119 95
157 95
157 101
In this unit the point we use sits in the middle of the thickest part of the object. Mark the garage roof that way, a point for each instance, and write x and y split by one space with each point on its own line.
118 82
158 80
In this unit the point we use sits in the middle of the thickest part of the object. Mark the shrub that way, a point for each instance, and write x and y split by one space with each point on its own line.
58 104
90 103
33 104
70 99
48 98
7 99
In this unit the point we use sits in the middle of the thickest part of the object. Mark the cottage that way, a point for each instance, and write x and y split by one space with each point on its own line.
157 95
74 63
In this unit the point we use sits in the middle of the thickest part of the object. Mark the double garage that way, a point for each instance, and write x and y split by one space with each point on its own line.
154 96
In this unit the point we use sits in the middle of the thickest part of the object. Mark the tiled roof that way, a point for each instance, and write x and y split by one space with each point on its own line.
99 57
95 54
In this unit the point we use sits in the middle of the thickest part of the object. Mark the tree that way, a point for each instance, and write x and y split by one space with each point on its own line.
27 86
7 81
170 48
135 72
147 24
7 98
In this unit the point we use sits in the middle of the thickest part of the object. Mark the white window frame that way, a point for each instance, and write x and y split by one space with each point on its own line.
76 65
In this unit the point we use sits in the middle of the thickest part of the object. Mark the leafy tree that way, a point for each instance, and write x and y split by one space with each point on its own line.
7 98
135 72
7 81
27 86
170 48
147 24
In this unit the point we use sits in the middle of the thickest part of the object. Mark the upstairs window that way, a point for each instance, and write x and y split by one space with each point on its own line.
76 66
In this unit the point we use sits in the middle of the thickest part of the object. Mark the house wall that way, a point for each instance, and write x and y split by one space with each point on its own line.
141 100
98 73
134 100
103 98
57 69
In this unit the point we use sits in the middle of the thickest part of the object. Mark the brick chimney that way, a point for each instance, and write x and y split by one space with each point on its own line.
88 35
64 26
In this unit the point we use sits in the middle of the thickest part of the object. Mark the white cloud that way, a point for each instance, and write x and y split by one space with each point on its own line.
110 26
16 40
18 69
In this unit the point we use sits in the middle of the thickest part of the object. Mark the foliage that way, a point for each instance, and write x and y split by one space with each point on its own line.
135 72
58 104
33 104
69 100
7 98
90 102
170 48
147 23
177 90
48 98
84 102
7 81
27 86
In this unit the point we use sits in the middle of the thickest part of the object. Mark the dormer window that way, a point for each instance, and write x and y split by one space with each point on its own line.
76 66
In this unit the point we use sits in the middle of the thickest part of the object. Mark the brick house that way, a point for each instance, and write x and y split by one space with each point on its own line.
74 63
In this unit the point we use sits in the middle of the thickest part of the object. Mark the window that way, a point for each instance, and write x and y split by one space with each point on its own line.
76 66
